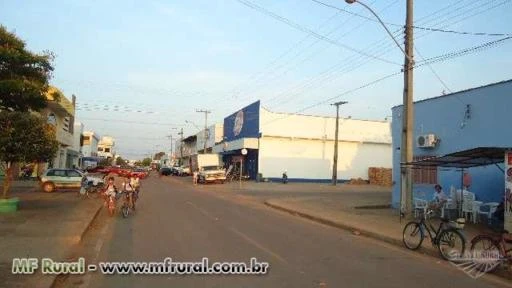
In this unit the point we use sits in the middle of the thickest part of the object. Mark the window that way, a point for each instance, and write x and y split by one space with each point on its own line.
424 175
59 173
100 149
50 173
107 150
72 173
87 140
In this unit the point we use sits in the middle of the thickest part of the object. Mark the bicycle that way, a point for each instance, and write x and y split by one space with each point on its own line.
89 189
129 203
488 251
447 235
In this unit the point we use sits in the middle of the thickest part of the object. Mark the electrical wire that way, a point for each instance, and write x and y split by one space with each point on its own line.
440 58
309 31
326 73
414 26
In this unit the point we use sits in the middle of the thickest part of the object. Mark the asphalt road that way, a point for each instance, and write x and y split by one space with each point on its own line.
176 220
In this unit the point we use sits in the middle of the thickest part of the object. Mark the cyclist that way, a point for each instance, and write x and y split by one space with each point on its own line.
129 190
110 189
135 184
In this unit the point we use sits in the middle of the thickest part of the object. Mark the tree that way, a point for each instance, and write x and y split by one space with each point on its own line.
24 137
24 76
159 155
146 162
121 162
104 162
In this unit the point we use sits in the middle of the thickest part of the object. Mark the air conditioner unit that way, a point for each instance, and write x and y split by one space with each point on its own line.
427 141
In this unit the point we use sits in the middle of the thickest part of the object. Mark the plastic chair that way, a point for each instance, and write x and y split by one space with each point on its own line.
493 206
420 204
467 205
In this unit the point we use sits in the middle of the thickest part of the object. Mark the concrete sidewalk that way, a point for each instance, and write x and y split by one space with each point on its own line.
46 225
382 224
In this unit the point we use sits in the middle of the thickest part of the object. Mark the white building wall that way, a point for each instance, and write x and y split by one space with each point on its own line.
312 159
77 134
317 127
90 150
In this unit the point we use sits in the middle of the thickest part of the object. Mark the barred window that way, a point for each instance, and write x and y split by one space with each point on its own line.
424 175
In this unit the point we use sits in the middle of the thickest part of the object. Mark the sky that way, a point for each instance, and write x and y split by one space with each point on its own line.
141 69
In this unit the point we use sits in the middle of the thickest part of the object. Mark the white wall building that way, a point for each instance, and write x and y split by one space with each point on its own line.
304 145
106 147
90 144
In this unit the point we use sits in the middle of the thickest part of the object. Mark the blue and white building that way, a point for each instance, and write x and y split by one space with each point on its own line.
303 145
477 117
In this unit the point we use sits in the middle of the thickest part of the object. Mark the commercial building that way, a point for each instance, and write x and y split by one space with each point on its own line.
473 118
268 143
303 145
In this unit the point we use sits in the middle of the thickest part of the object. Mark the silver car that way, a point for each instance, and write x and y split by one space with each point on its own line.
57 178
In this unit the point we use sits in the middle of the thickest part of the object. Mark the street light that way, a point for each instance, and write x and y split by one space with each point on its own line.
407 112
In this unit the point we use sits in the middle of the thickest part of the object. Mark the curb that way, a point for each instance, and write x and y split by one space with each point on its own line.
90 222
55 277
502 275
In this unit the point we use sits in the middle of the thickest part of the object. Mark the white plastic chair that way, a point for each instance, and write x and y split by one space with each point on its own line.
493 206
477 211
467 205
420 204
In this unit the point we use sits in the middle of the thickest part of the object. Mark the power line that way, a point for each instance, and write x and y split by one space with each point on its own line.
131 122
440 58
415 27
307 30
329 73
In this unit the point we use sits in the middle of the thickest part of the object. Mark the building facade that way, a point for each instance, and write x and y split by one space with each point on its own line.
60 114
90 142
269 143
468 119
106 147
75 151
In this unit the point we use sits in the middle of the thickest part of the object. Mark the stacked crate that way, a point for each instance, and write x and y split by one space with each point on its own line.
380 176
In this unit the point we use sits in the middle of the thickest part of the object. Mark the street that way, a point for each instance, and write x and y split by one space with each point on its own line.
175 219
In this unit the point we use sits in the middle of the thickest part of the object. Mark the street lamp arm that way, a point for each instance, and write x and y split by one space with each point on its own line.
383 25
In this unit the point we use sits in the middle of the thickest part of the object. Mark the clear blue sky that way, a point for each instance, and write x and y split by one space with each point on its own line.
168 58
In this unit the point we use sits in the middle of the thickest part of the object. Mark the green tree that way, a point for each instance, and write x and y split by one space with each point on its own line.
24 76
104 162
24 137
159 155
146 162
121 162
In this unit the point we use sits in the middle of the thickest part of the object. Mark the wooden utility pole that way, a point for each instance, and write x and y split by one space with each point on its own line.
181 146
206 112
335 160
406 148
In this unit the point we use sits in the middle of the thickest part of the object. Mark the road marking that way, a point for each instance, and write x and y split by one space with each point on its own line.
258 245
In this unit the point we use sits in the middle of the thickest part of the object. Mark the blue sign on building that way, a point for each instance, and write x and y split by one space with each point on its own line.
244 123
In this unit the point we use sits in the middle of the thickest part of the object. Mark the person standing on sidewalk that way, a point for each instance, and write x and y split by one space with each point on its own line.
194 176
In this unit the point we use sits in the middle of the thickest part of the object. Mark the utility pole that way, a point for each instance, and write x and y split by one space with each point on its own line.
181 146
206 112
406 147
335 160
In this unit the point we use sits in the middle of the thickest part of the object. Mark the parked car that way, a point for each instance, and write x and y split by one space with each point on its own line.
99 169
53 179
165 171
139 173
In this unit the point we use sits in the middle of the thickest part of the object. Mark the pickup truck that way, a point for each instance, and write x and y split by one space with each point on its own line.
211 174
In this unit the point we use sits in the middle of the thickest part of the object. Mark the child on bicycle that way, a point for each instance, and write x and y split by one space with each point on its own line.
110 189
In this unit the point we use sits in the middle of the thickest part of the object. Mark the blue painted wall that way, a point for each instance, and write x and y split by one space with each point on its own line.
489 125
250 127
